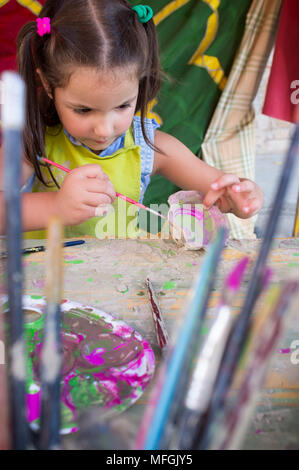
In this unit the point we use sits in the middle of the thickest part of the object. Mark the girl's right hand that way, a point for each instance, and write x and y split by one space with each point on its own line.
82 191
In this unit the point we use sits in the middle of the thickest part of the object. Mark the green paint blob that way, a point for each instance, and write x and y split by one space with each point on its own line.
204 330
36 296
293 265
117 275
169 285
169 252
208 222
83 392
90 279
75 261
124 291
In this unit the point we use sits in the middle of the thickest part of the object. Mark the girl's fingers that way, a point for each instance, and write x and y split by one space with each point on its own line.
90 170
243 186
211 197
99 186
252 207
224 181
96 199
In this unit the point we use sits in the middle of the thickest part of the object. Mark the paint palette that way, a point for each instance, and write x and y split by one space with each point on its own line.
105 362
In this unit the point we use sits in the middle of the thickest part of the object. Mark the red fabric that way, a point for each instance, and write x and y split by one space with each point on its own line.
12 17
285 66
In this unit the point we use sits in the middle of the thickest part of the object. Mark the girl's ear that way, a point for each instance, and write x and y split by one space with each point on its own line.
45 83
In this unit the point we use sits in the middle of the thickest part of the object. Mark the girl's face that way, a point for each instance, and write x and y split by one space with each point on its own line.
97 107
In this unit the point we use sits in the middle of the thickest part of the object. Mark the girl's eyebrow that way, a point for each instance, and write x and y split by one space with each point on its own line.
83 106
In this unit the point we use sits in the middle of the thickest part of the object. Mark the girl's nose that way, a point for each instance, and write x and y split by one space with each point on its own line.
102 128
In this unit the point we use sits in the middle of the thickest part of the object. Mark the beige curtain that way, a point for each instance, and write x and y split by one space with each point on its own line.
229 142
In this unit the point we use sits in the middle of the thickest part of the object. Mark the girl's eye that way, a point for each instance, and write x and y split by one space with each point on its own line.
82 110
124 106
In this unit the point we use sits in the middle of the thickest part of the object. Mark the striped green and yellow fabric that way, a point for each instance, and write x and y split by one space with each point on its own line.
214 52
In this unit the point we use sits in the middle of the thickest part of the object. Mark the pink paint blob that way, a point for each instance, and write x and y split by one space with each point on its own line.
285 351
39 283
33 402
95 357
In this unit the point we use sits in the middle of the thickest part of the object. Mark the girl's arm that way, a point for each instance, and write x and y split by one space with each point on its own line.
31 206
83 190
181 166
229 192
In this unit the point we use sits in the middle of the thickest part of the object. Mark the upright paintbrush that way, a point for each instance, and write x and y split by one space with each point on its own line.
5 431
237 417
51 359
208 361
238 336
13 98
158 423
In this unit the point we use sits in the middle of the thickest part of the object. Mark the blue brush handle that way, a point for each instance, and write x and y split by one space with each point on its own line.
180 358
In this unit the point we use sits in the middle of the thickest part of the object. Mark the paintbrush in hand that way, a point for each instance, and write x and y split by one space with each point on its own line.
121 196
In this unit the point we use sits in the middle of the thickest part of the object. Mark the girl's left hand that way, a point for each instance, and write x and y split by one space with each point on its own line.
240 196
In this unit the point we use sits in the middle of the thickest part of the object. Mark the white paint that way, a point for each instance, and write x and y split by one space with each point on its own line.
13 101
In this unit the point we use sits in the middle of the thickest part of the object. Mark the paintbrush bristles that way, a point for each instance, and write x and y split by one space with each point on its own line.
13 101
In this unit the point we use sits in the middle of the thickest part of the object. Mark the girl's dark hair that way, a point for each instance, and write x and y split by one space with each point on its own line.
103 34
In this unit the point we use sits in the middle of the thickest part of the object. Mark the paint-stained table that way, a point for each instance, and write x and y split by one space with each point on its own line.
111 275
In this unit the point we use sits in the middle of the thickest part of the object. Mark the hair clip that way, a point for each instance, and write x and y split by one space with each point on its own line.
144 12
43 26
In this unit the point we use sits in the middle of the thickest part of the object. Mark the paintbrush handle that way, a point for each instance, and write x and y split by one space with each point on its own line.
12 114
238 336
5 427
177 367
236 417
51 358
37 249
160 328
138 204
63 168
121 196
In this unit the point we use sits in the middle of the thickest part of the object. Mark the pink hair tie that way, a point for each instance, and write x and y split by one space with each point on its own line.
43 26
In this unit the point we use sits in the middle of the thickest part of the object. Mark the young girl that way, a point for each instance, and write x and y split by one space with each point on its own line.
89 67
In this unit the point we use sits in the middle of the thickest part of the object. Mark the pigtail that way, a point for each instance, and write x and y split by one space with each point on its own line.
151 83
35 126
